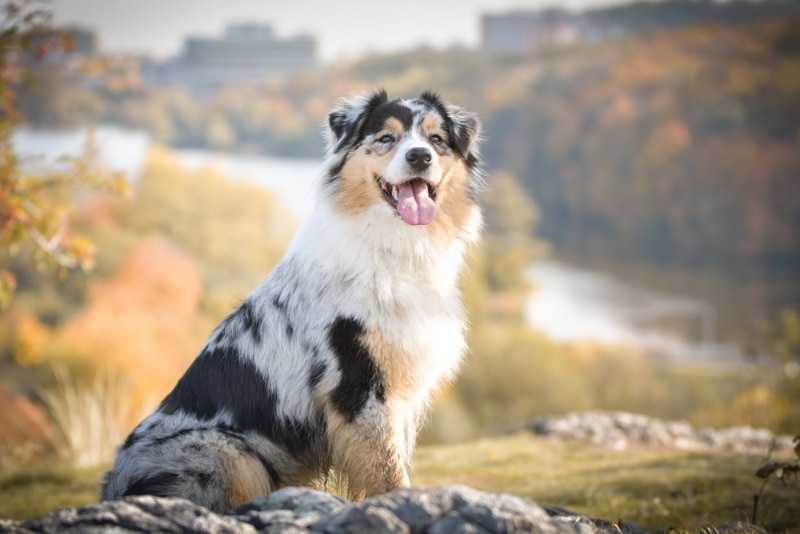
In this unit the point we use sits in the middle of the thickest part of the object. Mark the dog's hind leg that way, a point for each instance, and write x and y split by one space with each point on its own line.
218 470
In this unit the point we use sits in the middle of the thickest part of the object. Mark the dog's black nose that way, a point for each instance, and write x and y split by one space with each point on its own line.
419 158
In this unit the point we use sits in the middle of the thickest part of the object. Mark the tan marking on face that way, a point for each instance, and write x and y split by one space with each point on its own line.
431 124
248 479
454 208
359 190
393 125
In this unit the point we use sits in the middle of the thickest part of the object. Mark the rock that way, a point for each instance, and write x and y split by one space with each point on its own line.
133 514
436 511
738 527
622 430
440 510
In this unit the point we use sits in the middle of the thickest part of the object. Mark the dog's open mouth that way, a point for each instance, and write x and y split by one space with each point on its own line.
413 200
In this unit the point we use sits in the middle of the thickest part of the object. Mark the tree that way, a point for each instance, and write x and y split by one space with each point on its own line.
35 210
511 217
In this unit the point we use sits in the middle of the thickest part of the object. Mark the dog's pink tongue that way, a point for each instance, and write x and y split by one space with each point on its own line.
413 203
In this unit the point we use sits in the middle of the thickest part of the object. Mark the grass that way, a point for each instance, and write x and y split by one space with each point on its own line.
88 418
656 489
33 491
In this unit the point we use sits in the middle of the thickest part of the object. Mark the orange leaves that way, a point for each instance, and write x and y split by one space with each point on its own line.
31 339
25 429
141 323
667 140
156 276
621 109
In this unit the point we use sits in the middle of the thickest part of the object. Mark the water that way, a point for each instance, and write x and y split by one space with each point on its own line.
117 148
570 304
292 180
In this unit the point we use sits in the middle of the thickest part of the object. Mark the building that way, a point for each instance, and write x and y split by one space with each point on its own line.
522 31
84 40
245 53
530 30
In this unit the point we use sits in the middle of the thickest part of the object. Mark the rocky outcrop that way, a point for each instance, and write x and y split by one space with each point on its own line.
441 510
622 430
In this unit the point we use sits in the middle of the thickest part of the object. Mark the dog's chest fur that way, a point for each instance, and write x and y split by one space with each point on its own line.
403 295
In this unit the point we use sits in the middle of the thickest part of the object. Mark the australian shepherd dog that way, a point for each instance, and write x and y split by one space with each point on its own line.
330 363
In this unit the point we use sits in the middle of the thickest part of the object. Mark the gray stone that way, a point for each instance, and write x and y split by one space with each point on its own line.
365 518
302 501
622 430
446 509
135 514
737 527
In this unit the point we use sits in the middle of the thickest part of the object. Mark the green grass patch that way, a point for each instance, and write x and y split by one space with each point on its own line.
656 489
33 491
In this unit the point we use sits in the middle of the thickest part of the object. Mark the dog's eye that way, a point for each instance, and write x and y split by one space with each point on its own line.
436 139
386 139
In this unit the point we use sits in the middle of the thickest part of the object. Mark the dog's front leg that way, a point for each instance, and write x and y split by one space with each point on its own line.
369 450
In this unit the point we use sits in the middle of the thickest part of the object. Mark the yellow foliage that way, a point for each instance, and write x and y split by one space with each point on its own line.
141 324
30 340
25 429
515 373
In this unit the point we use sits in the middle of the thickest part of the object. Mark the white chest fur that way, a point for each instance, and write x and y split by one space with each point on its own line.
399 282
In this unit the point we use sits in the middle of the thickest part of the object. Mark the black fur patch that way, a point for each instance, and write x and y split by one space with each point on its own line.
179 433
250 320
348 129
158 485
132 438
377 119
433 100
221 380
202 477
217 379
360 376
333 173
281 306
316 373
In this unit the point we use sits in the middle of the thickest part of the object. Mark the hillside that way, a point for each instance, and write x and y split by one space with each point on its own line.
670 156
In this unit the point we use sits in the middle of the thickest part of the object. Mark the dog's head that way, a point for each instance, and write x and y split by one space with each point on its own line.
415 161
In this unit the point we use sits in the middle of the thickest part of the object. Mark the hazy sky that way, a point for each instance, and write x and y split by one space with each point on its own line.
343 28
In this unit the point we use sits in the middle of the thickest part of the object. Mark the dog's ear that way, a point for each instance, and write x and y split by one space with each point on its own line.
346 122
466 131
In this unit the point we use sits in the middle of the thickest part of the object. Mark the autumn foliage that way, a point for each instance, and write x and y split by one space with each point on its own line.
173 261
139 322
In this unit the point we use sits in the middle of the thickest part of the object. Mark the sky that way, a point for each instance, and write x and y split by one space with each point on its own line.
344 29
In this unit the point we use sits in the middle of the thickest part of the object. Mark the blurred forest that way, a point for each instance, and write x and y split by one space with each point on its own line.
692 131
671 157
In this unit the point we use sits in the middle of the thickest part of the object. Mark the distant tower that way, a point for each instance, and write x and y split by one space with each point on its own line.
245 53
520 31
83 39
